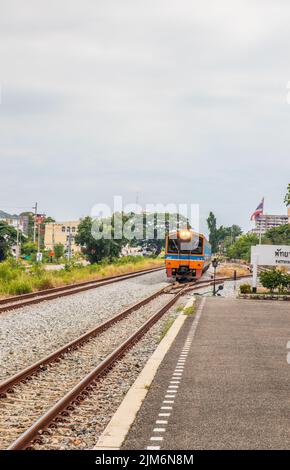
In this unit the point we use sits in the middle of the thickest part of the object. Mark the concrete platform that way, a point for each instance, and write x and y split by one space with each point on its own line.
224 384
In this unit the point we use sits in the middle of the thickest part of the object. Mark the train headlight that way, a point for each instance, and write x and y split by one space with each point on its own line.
184 235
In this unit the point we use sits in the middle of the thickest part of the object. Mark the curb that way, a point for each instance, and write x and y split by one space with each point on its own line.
117 429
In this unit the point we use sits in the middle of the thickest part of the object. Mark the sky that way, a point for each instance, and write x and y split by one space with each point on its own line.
178 101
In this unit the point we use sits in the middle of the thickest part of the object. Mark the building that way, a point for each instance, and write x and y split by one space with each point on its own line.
64 233
265 222
19 222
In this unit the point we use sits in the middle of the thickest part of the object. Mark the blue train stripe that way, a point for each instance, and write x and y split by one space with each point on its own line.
180 257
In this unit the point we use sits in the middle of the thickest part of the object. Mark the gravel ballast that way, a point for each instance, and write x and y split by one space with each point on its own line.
231 288
20 409
30 333
83 427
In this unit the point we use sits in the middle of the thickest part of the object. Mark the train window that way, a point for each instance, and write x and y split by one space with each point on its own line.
172 245
194 246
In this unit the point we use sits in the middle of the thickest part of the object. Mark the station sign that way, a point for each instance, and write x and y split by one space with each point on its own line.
270 255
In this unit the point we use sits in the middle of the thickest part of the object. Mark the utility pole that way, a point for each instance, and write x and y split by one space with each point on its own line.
69 244
53 239
38 239
215 265
34 226
17 242
260 233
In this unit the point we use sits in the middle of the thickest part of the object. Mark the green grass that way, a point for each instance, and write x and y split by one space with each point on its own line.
189 310
19 286
15 279
180 308
166 328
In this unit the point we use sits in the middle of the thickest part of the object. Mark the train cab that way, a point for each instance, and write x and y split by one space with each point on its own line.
187 254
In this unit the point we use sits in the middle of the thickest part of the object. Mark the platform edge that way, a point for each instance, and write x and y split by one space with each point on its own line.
117 429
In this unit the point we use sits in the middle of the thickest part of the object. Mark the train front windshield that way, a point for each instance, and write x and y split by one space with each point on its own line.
193 246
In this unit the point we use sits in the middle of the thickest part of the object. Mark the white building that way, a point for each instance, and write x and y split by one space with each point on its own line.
16 221
265 222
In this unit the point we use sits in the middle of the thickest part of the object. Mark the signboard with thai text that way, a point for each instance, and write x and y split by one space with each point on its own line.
270 255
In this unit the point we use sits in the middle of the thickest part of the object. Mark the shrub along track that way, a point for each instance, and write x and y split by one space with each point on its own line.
59 382
19 301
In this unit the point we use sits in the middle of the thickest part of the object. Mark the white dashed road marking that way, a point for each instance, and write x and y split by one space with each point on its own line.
175 379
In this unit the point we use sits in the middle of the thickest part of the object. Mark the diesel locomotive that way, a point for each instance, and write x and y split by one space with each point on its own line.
187 254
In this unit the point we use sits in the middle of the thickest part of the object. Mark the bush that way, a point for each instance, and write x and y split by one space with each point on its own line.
19 286
10 270
275 280
45 283
245 289
29 248
70 265
58 251
6 272
16 279
37 270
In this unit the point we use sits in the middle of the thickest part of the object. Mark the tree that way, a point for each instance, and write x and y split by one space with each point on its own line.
98 249
275 279
8 237
277 235
287 197
48 220
221 238
226 236
213 232
29 248
241 248
157 224
136 231
58 251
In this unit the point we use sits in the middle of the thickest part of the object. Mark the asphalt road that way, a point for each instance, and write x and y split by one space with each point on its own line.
234 392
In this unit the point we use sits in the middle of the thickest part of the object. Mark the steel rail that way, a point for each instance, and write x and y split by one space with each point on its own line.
79 392
6 386
12 303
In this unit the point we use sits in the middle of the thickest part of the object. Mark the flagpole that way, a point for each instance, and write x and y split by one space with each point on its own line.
260 243
258 212
260 234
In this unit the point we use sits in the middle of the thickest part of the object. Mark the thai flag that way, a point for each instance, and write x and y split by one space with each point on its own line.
258 211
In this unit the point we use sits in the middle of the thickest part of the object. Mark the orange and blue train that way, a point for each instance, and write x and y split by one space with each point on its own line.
187 254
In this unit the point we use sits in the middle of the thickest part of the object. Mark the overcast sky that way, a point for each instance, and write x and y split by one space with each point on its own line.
179 100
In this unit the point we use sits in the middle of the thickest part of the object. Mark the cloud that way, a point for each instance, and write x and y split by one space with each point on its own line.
181 101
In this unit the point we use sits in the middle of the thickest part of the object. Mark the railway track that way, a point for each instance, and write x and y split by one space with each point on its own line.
66 382
19 301
52 383
35 399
